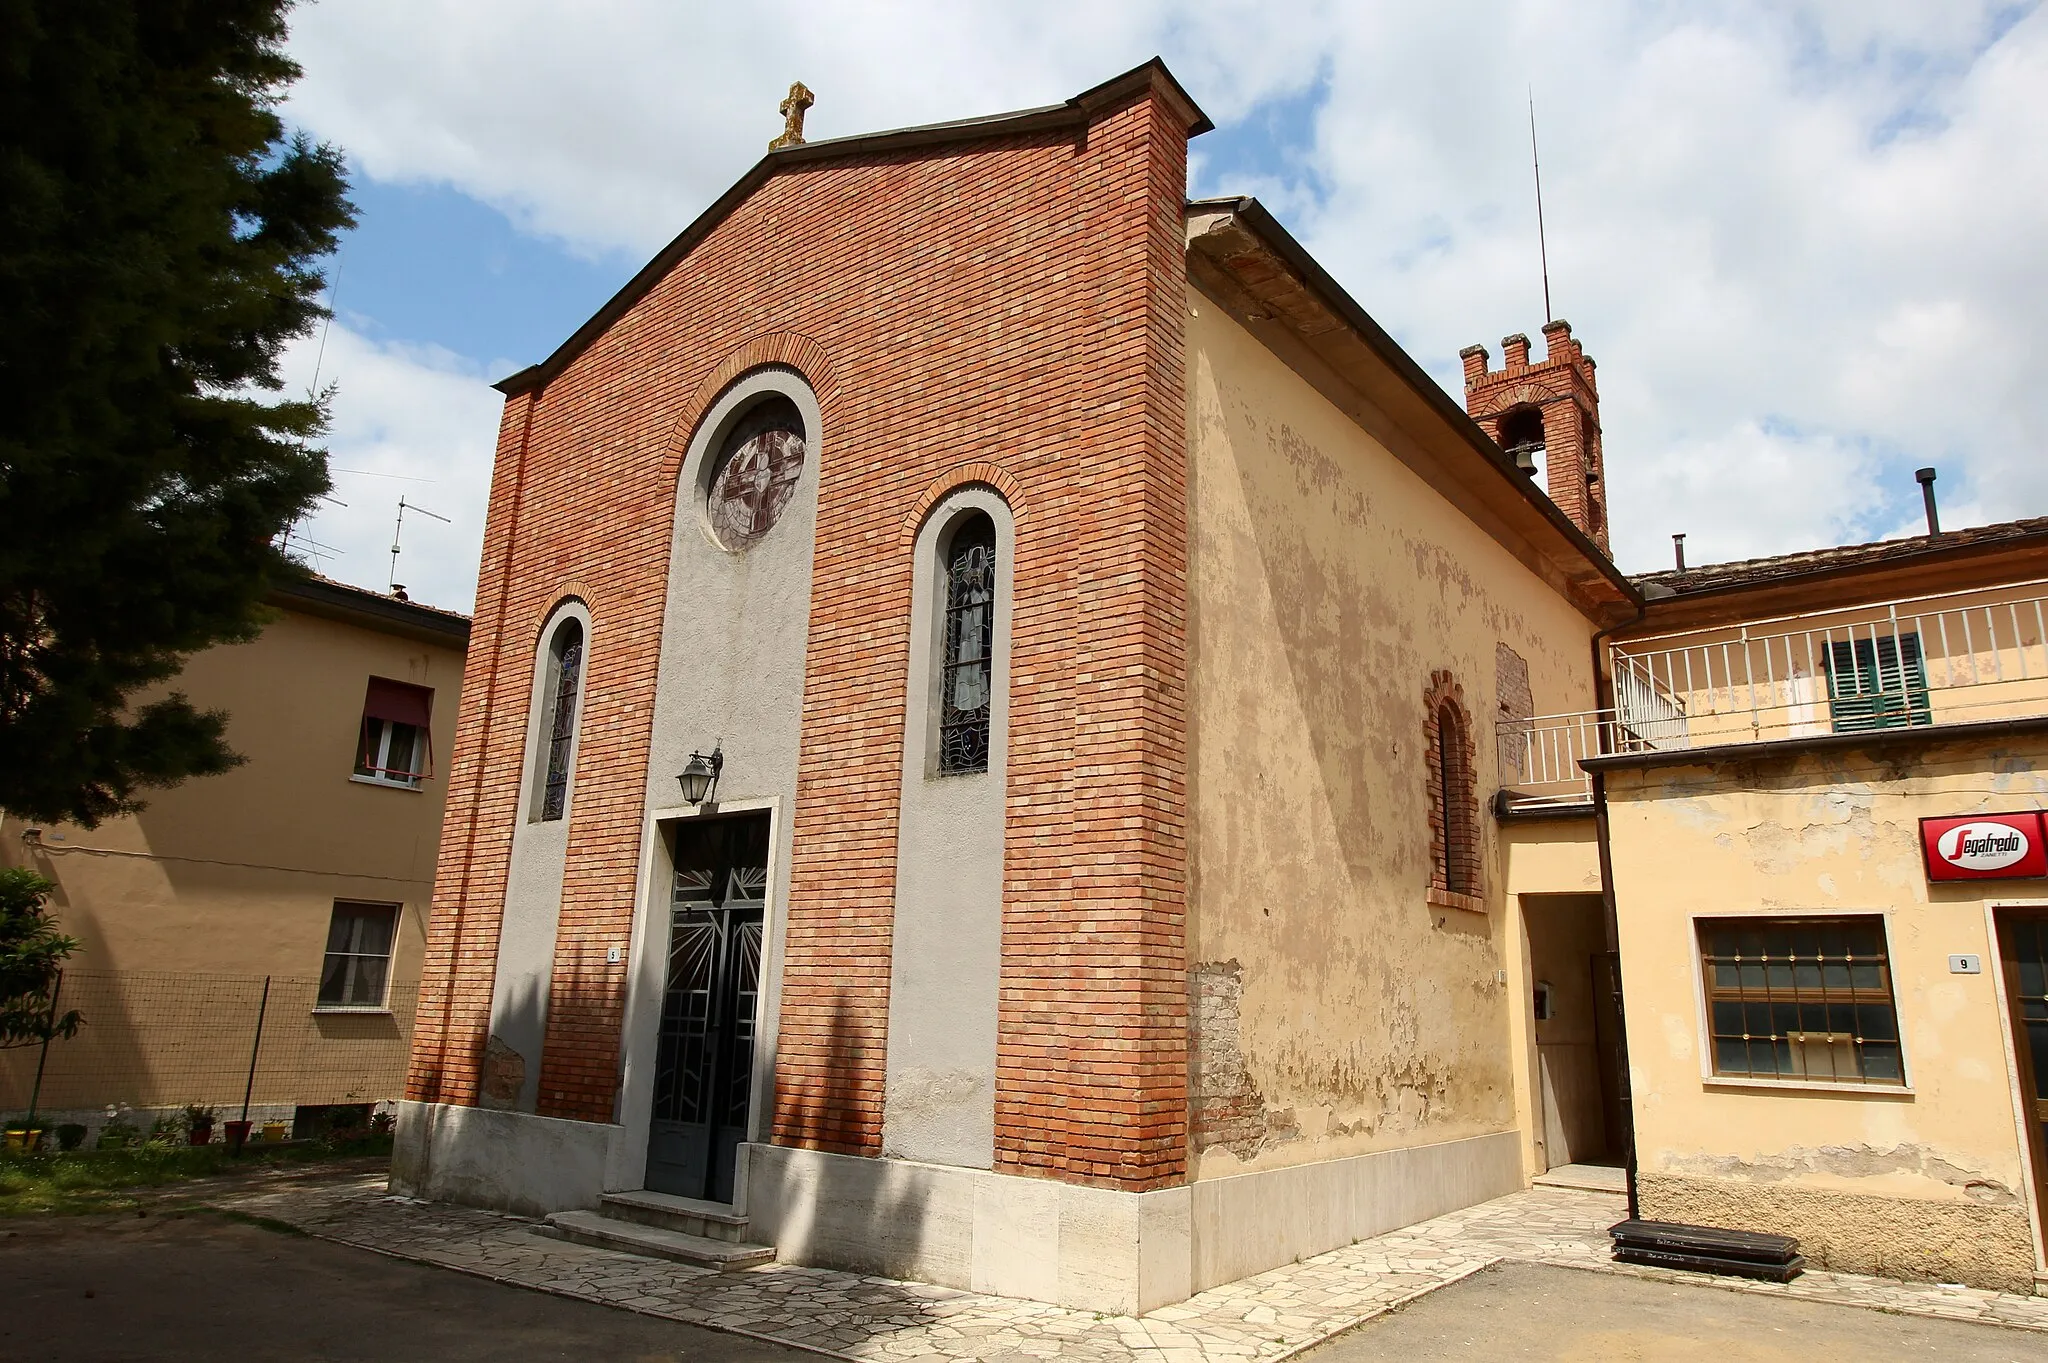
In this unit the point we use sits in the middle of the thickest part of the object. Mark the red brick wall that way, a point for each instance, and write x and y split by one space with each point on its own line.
1005 312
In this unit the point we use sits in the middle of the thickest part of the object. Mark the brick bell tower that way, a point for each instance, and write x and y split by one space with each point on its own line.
1551 407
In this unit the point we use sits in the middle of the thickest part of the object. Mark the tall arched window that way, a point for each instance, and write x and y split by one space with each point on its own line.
558 728
1453 801
965 689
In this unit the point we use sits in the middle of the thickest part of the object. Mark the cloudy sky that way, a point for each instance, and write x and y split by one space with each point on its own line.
1803 240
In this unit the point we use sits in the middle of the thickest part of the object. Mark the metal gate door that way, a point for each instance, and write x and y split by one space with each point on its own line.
704 1067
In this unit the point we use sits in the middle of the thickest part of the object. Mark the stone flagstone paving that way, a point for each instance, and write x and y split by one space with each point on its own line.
879 1320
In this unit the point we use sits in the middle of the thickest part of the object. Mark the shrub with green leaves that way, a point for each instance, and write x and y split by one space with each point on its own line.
32 952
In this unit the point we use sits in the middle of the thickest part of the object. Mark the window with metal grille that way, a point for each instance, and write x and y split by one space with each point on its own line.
1801 998
964 678
559 733
1877 683
358 963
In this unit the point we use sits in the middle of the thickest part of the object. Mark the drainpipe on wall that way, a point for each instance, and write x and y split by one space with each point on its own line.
1603 698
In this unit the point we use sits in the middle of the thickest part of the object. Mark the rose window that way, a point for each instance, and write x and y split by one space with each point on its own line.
758 466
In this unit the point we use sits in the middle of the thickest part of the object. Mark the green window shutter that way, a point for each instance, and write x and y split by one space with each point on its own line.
1877 683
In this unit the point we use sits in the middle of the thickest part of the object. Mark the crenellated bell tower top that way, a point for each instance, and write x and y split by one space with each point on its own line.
1548 408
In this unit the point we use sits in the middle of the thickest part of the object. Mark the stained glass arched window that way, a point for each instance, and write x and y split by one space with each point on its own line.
559 735
965 675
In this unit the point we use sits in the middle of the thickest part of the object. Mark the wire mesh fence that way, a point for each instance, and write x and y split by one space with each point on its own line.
156 1042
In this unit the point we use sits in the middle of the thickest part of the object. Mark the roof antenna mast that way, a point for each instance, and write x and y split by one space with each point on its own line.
399 529
1542 246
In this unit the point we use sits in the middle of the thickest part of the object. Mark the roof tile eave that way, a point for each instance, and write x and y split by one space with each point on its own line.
1785 567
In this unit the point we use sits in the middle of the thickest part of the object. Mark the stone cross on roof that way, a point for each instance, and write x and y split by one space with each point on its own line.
792 111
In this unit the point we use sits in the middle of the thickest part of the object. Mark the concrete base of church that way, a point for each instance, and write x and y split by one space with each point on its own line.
1093 1248
1247 1223
507 1161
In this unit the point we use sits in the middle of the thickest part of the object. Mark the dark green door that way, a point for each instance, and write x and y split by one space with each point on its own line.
2023 943
704 1063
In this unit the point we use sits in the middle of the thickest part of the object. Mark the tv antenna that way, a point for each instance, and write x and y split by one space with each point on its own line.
1542 246
398 532
320 355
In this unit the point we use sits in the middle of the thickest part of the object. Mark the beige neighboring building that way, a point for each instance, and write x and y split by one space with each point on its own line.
311 865
1822 780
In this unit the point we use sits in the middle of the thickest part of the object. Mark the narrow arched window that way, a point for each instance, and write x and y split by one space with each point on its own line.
558 735
1451 798
965 682
1453 803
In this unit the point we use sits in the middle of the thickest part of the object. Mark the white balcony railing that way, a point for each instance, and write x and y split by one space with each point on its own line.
1921 661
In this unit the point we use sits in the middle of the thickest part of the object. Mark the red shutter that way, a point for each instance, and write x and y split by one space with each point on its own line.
399 703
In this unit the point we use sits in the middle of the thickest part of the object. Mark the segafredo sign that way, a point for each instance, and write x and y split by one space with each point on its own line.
1985 846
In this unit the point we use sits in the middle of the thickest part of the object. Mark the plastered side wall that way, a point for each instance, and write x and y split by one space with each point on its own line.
1336 1011
1930 1182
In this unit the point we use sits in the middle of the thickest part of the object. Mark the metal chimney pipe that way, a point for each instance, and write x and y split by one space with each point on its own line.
1926 479
1678 549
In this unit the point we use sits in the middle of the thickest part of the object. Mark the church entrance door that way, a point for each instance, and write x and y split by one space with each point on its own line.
704 1061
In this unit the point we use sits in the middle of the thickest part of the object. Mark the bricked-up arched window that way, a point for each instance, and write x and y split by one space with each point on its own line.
965 668
1454 845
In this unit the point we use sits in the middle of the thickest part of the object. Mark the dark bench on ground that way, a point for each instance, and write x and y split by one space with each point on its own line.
1706 1249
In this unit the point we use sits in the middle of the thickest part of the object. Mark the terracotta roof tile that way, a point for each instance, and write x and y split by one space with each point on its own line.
1756 571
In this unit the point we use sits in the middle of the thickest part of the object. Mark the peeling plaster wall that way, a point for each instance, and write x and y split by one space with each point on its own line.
1928 1183
1334 1010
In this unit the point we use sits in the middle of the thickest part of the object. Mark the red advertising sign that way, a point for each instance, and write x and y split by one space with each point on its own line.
1986 846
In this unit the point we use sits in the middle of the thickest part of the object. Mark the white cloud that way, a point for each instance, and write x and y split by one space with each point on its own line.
1801 239
409 421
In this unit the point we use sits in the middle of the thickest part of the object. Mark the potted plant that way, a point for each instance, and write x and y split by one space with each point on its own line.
70 1135
238 1135
117 1134
199 1124
274 1131
23 1137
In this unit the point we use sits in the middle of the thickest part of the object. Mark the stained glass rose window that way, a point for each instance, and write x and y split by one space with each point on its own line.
756 472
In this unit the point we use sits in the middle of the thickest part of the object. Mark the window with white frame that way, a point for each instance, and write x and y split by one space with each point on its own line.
1801 998
395 747
358 963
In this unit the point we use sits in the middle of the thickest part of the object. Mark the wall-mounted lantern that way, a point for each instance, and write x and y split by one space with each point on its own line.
699 778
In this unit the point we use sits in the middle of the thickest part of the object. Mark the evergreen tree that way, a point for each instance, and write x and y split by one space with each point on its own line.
32 951
160 242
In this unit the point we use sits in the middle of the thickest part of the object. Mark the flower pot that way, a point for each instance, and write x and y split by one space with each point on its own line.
273 1131
22 1140
238 1135
200 1133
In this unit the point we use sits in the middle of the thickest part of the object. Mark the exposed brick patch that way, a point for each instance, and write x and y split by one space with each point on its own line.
1452 768
1225 1107
1515 706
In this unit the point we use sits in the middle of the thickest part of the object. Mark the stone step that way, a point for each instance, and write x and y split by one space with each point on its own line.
604 1232
712 1220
